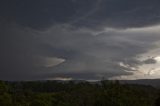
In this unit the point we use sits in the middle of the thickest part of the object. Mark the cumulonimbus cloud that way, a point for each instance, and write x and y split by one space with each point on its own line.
83 43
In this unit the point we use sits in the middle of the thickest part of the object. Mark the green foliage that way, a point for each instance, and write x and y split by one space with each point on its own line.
3 87
5 100
42 100
52 93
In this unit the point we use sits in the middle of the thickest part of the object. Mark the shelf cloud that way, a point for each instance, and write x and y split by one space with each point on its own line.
86 39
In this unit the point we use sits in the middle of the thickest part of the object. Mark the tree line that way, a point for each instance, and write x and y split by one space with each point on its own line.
72 93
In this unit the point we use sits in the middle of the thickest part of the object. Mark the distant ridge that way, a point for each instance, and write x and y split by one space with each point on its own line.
152 82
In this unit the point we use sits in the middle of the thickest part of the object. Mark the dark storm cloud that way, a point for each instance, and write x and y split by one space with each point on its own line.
84 13
42 14
36 35
84 53
99 55
127 13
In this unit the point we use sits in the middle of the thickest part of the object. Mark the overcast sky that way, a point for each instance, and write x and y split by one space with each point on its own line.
79 39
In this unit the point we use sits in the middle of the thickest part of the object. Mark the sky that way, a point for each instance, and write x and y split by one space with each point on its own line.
79 39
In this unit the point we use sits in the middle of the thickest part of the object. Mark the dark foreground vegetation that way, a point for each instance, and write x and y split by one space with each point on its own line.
72 93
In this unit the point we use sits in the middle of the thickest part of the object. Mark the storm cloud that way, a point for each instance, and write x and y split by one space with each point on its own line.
85 39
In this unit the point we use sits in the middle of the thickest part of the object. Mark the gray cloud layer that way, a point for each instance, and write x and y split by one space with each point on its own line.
80 39
88 13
